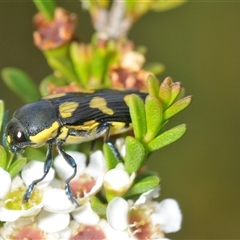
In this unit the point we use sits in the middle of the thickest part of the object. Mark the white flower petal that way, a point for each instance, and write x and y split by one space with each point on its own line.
64 170
168 215
52 222
117 214
60 235
5 183
7 215
86 215
17 183
56 200
117 179
33 170
96 165
148 196
112 233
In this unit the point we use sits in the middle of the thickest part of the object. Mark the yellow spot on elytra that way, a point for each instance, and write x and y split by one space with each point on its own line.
101 104
57 95
66 109
46 134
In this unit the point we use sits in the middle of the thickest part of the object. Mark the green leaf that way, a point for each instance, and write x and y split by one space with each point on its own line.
1 114
154 113
17 166
175 91
21 84
135 154
144 185
3 157
35 154
153 86
46 8
166 5
154 68
138 116
98 206
177 107
110 157
164 94
166 138
80 54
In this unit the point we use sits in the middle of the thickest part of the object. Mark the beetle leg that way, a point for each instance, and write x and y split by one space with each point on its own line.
47 166
105 127
69 159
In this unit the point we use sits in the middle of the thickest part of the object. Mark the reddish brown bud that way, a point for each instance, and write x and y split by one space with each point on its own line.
55 33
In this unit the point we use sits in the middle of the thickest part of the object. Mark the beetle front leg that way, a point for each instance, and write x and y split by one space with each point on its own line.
47 166
69 159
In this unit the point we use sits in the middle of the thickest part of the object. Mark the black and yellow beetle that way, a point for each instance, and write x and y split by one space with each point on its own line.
68 118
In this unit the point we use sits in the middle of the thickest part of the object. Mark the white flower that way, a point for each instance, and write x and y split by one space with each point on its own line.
12 207
20 229
168 215
5 183
148 220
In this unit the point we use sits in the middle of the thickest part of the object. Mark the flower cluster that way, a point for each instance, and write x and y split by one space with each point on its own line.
116 196
49 214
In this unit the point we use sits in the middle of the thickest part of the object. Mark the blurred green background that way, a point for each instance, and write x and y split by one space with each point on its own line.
200 45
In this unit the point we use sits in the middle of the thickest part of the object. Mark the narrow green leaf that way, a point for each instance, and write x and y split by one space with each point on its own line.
98 206
142 186
64 66
98 66
154 113
21 84
110 157
166 5
135 154
166 138
3 157
46 8
177 107
153 86
1 114
175 91
164 94
17 166
80 54
138 116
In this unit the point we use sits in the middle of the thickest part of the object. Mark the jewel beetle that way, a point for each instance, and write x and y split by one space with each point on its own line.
68 118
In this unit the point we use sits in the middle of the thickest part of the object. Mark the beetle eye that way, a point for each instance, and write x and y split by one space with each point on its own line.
18 136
